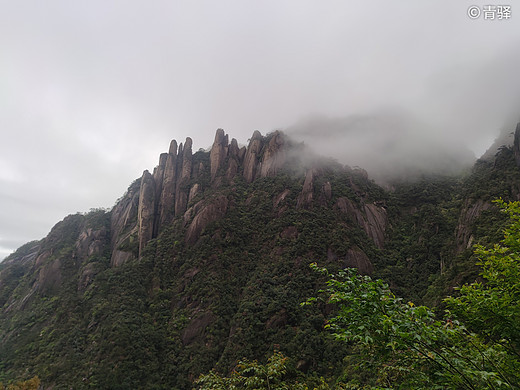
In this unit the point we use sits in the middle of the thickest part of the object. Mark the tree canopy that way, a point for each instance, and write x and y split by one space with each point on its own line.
474 346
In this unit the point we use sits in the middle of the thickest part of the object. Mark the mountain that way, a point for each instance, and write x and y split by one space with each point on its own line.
206 260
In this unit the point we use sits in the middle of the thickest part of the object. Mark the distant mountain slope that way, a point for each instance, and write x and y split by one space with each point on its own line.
205 261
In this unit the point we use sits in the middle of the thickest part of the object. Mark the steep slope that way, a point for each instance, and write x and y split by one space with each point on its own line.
200 263
205 261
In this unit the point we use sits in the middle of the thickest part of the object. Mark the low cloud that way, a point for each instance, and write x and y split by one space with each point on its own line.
388 144
92 92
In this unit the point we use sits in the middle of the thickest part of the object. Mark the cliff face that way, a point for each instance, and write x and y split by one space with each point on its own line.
70 254
190 192
176 181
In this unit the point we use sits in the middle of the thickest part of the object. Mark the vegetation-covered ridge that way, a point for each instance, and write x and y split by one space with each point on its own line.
395 344
205 262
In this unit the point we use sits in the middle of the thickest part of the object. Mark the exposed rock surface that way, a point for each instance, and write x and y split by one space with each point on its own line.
281 197
356 258
90 242
207 284
167 201
146 212
196 328
123 224
194 191
158 177
251 158
205 213
218 152
87 275
182 190
49 277
234 160
306 196
177 180
470 212
274 155
373 219
516 145
327 191
375 223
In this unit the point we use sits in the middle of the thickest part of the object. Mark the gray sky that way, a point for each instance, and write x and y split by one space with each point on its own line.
91 92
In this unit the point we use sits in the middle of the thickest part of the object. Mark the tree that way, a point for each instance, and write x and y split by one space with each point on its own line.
492 308
255 376
29 384
475 346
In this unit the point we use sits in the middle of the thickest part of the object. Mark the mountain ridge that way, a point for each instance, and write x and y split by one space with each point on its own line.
205 261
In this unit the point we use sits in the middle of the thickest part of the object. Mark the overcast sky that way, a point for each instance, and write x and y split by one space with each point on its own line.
91 92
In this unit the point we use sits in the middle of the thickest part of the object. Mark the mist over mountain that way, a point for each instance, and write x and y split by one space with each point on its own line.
93 91
391 145
204 260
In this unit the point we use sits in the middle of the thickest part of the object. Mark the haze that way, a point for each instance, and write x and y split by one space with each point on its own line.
92 92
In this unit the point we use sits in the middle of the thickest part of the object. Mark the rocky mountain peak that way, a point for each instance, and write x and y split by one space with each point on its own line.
178 179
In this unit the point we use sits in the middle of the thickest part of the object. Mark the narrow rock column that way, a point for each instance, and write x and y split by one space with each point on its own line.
146 210
183 180
251 157
167 201
218 152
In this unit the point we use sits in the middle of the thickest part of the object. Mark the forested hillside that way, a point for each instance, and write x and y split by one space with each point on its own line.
206 260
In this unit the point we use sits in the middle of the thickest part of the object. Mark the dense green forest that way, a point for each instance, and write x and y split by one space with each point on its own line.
223 281
396 344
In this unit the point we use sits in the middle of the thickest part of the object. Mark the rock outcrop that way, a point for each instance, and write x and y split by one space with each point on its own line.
167 201
146 211
158 177
90 243
356 258
205 213
233 160
252 156
274 155
50 277
470 212
177 180
306 196
516 145
183 190
123 224
372 218
375 223
218 152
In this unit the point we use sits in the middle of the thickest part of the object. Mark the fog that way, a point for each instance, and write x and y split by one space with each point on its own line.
389 145
92 92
